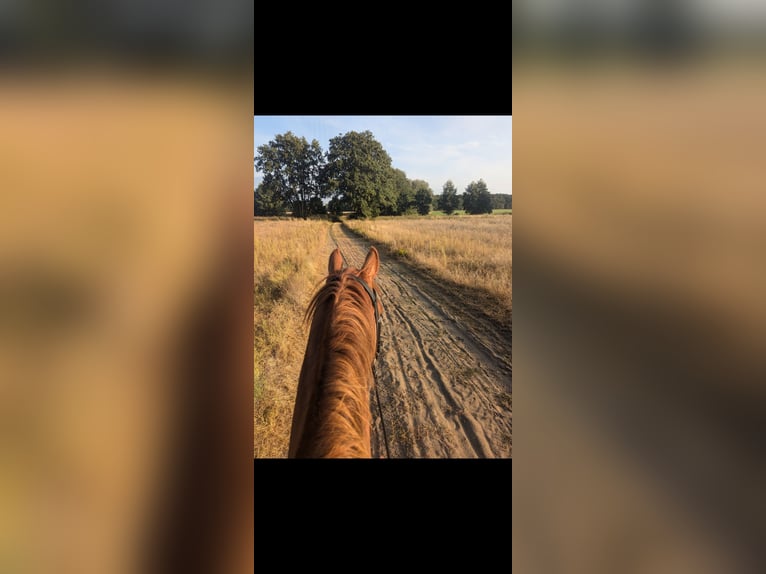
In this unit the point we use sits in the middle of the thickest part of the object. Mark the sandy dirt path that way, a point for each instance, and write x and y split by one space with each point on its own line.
444 370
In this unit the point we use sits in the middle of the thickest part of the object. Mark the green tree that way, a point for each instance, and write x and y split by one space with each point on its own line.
267 201
469 199
423 196
404 196
316 206
476 198
501 200
337 206
448 201
387 196
293 169
360 174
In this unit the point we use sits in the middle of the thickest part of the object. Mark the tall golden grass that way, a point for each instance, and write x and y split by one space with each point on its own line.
290 258
475 250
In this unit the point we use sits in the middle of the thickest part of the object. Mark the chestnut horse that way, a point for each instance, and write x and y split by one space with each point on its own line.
332 418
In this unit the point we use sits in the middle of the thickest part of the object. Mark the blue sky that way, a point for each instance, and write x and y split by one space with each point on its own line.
432 148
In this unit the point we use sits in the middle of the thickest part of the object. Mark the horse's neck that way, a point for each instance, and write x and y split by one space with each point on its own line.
333 400
340 414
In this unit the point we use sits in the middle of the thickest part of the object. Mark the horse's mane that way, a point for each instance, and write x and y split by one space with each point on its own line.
336 374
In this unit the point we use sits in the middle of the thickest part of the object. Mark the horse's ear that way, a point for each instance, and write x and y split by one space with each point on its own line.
371 264
336 262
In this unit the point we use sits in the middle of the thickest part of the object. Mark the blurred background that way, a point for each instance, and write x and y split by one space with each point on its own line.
639 286
125 254
125 382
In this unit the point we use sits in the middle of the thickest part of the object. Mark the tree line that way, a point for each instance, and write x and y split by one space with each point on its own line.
357 175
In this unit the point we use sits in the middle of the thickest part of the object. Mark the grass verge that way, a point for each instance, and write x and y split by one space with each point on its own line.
290 257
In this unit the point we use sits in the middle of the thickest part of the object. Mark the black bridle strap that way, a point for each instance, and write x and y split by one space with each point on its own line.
374 297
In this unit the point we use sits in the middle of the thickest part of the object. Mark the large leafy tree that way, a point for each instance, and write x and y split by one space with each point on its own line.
476 198
267 201
337 206
293 169
405 195
387 196
448 201
360 174
423 196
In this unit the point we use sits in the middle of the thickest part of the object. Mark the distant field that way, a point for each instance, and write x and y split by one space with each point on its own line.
438 213
289 259
473 250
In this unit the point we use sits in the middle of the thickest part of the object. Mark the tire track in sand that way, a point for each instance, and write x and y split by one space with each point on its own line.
444 371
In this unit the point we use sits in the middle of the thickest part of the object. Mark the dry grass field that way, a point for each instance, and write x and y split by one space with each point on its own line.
289 259
471 250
